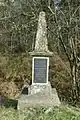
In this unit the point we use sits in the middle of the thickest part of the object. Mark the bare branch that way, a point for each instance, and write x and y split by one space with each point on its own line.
51 10
75 11
59 34
9 17
65 18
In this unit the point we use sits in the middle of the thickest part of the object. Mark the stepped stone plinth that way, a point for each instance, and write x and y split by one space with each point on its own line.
46 97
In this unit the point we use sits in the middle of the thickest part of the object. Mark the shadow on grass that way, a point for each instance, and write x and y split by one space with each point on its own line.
8 103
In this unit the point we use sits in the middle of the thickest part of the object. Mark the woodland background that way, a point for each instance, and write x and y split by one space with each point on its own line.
18 27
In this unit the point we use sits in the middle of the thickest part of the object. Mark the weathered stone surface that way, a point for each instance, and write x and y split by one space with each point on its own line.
41 39
48 53
35 88
42 96
41 44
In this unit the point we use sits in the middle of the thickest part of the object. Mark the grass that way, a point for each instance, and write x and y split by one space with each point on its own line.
57 113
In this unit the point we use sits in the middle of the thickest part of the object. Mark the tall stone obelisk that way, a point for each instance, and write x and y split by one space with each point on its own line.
41 43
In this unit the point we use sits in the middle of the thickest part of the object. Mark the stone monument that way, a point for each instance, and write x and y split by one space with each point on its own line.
40 92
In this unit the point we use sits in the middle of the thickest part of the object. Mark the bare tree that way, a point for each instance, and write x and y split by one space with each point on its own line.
69 22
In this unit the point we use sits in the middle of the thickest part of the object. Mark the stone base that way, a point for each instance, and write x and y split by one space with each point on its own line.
36 88
39 95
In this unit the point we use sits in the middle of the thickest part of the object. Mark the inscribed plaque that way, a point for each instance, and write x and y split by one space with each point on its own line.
40 70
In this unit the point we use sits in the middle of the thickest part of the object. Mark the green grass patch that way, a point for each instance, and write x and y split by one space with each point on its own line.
56 113
10 103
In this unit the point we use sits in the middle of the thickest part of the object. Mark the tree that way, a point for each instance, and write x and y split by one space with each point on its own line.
67 18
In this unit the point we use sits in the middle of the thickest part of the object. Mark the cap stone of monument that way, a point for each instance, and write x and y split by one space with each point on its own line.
40 92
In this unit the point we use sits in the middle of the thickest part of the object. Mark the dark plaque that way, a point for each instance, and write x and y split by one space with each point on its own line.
40 70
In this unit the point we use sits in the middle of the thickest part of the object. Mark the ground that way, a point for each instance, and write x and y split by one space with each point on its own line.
58 113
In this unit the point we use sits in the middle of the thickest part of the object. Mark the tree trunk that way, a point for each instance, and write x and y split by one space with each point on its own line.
75 91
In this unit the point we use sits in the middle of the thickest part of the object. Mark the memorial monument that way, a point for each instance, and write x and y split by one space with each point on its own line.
40 91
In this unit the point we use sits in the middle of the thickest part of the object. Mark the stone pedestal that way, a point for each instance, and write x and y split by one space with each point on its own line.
39 95
36 88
